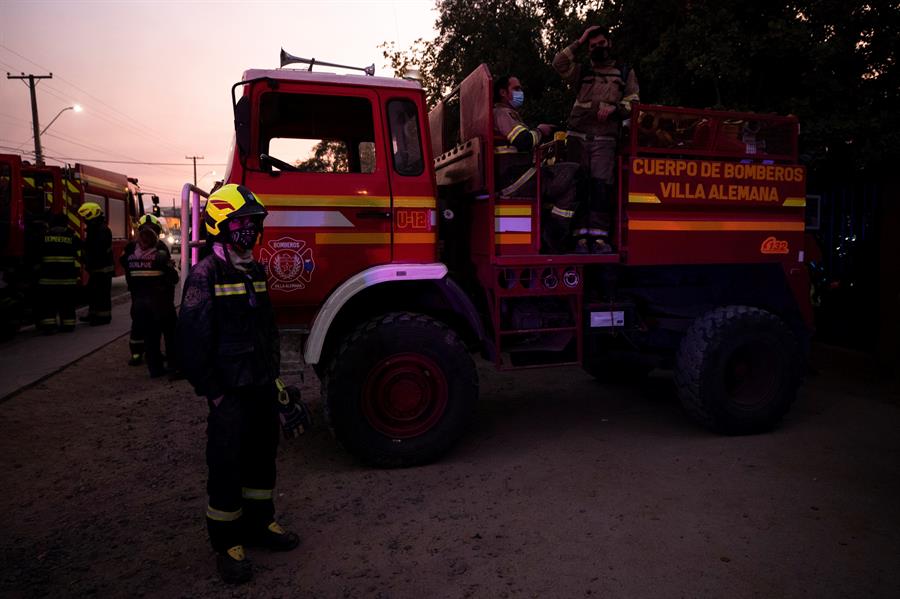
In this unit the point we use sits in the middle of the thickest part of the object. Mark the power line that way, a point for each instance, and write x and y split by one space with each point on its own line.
111 120
142 163
115 161
14 118
52 92
137 127
127 159
195 159
33 80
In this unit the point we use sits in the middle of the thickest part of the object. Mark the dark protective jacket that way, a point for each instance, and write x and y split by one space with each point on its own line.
509 125
227 335
597 85
150 277
59 262
98 254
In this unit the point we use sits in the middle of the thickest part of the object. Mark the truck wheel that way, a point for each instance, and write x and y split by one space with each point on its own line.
401 390
738 369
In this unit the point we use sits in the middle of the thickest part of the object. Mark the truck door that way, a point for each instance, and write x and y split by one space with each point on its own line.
317 162
412 182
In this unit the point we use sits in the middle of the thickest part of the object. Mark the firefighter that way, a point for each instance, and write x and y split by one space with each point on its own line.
230 352
606 90
135 340
98 260
151 276
559 185
58 276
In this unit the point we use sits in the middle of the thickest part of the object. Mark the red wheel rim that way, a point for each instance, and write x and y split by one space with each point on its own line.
405 395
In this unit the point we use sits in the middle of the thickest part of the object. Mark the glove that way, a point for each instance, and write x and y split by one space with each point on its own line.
292 412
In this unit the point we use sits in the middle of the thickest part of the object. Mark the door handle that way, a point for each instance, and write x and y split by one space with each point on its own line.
374 214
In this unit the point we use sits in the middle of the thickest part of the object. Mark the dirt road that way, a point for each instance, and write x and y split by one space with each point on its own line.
564 488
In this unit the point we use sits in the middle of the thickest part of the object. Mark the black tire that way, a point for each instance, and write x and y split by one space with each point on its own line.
400 391
738 369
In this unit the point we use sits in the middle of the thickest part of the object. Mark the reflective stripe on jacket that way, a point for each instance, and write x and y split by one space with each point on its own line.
58 257
226 329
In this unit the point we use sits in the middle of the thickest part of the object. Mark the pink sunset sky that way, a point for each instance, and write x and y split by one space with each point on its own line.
154 78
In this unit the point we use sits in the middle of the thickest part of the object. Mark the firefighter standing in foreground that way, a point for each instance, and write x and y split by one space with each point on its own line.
58 276
230 352
151 276
98 261
605 93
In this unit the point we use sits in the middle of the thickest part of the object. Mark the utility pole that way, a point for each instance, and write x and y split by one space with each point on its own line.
38 153
195 159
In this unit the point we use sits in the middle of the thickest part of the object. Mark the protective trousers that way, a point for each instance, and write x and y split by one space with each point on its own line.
242 439
168 324
56 300
99 290
146 326
598 157
136 340
561 184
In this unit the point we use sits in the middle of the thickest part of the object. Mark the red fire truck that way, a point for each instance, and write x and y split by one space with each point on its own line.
27 194
390 246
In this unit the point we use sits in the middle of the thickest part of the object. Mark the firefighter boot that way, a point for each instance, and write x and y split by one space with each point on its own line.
273 537
233 566
600 246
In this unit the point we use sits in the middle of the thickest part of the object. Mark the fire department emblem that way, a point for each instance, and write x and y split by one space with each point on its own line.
289 264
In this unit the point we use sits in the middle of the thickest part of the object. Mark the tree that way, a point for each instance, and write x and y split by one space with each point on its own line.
332 156
833 63
328 157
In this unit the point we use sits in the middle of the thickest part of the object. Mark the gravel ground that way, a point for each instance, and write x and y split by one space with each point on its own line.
563 488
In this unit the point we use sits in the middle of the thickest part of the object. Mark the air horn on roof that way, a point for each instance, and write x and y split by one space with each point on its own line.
287 59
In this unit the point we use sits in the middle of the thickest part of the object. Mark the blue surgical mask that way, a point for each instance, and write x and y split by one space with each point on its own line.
518 98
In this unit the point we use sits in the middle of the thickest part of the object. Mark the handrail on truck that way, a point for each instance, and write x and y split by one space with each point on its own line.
190 207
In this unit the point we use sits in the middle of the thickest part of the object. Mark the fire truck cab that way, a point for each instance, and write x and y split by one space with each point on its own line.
390 247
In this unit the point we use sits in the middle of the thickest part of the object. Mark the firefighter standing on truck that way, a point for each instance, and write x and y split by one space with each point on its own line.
605 92
230 351
151 275
98 261
58 276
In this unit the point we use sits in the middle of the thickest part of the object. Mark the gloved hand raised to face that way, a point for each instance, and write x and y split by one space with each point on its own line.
292 412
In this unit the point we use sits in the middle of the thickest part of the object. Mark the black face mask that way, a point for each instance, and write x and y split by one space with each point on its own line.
245 237
600 54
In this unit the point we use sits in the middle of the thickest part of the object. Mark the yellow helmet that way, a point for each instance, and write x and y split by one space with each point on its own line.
90 210
150 221
229 202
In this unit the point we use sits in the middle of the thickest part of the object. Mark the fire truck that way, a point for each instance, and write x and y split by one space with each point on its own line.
28 193
391 247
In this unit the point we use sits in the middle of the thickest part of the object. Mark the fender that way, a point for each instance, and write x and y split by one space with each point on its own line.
362 280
